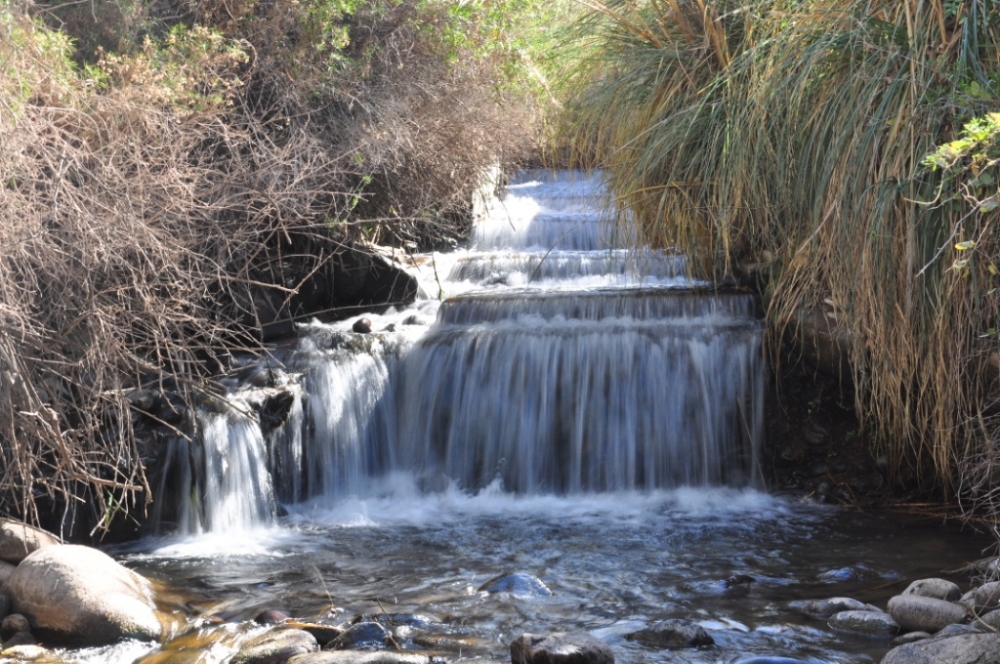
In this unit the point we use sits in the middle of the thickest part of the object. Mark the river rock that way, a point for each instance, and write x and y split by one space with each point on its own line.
6 569
362 636
17 540
823 609
4 606
271 617
963 649
20 639
560 648
935 589
989 620
360 657
869 623
276 645
988 596
924 614
392 620
80 596
322 633
517 584
25 653
13 624
909 637
672 634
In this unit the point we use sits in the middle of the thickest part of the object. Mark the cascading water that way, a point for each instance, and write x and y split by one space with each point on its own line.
570 410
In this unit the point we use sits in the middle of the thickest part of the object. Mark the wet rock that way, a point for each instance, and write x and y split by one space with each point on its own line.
909 637
822 609
560 648
870 623
80 596
924 614
17 540
847 574
391 620
956 629
13 624
271 617
450 642
275 646
362 326
964 649
772 660
359 657
672 634
737 580
25 653
322 633
935 589
517 584
362 636
988 596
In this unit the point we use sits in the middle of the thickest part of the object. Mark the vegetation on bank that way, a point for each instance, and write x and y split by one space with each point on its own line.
159 161
836 144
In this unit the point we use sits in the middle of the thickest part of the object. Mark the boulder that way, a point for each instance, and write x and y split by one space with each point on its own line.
822 609
6 569
17 540
988 596
79 596
990 620
935 589
672 634
962 649
360 657
4 606
870 623
517 584
915 613
276 645
560 648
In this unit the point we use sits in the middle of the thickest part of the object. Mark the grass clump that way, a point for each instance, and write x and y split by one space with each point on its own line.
796 134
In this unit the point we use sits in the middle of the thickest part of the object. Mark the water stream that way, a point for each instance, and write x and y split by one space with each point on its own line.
566 409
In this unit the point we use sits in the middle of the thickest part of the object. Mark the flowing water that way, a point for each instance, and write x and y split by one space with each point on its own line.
555 406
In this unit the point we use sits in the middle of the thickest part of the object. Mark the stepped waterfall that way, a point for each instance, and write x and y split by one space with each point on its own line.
556 362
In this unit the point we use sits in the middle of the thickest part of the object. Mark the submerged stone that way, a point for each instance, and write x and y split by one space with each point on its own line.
870 623
560 648
361 636
672 634
517 584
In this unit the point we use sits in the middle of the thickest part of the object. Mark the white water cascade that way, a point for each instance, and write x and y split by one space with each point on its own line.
556 362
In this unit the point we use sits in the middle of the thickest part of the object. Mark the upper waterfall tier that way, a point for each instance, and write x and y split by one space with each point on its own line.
616 266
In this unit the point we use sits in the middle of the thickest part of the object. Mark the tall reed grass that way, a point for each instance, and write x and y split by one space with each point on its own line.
794 133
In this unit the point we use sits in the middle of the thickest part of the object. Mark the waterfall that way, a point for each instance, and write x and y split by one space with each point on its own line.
558 362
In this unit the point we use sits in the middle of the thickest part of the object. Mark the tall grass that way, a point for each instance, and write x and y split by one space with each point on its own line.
794 133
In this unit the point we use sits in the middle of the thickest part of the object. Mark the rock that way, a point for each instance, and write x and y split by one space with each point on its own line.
4 606
451 642
869 623
362 636
915 613
17 540
822 609
276 645
271 617
990 620
560 648
25 653
13 624
76 595
360 657
392 620
20 639
322 633
934 588
772 660
964 649
955 630
909 637
672 634
516 584
6 569
988 596
362 326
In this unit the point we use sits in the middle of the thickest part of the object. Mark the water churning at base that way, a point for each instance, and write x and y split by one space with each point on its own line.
558 362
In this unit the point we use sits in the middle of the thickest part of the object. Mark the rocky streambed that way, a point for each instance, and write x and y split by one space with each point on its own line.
706 575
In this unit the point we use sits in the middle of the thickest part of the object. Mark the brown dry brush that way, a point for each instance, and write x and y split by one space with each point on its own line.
142 211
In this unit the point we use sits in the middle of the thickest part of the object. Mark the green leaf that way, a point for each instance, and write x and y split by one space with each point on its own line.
965 246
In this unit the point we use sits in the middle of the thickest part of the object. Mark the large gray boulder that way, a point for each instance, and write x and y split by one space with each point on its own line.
76 595
560 648
962 649
924 614
17 540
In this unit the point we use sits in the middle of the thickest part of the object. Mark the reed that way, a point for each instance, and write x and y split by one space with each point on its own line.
795 134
